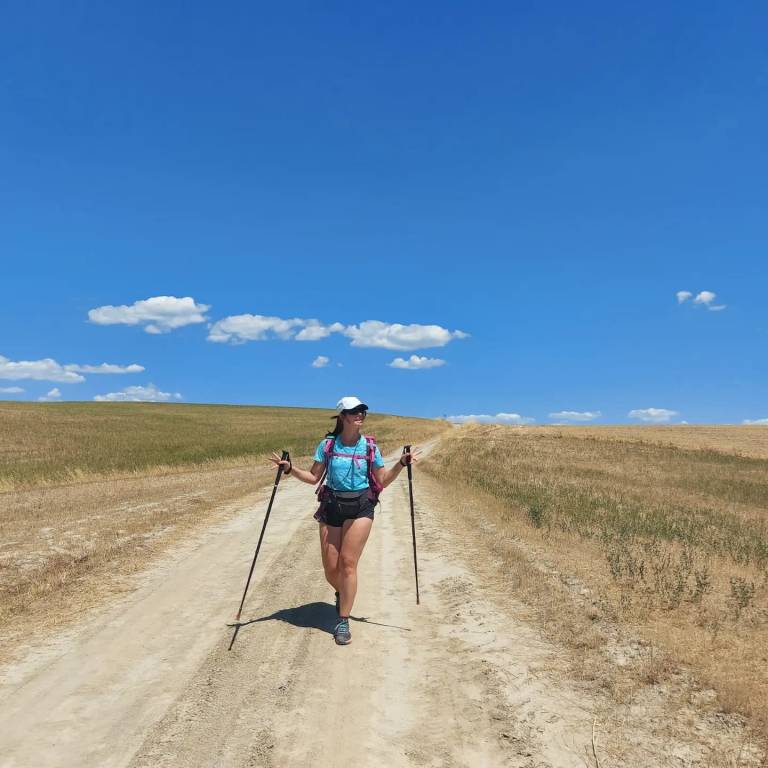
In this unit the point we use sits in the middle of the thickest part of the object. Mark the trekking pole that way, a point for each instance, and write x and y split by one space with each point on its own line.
285 457
407 450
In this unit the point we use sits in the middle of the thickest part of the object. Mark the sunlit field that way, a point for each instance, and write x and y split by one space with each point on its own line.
91 492
42 444
667 526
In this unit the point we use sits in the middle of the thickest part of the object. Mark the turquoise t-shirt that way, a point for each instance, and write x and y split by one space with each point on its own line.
348 465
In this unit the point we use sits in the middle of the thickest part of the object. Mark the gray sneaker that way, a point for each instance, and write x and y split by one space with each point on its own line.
341 634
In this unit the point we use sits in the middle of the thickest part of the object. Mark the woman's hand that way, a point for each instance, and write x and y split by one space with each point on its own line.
277 461
409 457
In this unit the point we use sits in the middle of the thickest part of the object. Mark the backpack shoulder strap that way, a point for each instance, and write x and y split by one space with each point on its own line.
370 442
327 450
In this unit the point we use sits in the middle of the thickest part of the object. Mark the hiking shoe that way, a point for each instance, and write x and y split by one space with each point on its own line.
338 602
341 634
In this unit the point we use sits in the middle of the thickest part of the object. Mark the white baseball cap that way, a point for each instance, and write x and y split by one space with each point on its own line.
348 403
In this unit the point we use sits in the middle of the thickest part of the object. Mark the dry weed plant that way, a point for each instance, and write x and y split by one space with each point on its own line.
667 536
70 536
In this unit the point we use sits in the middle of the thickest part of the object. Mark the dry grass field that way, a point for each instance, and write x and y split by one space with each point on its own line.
61 443
91 492
660 531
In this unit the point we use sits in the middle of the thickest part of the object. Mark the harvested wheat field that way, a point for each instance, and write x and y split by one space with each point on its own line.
589 597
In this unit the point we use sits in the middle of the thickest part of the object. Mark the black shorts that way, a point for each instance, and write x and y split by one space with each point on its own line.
336 507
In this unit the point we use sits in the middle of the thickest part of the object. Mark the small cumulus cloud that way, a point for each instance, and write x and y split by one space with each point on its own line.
106 368
46 369
415 362
11 390
138 394
702 299
395 336
575 415
755 421
314 330
53 394
158 314
49 370
321 361
499 418
238 329
652 415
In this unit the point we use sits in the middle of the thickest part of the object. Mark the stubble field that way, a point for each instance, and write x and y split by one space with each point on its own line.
662 531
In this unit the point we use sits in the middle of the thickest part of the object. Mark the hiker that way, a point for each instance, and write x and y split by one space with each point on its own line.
354 474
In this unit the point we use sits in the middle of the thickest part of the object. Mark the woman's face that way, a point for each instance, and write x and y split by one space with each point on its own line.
356 416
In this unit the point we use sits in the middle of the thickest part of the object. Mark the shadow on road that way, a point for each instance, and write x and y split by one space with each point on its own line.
320 616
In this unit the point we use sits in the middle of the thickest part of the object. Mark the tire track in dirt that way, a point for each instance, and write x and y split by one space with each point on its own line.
419 686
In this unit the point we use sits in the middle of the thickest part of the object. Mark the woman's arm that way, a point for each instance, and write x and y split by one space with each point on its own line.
386 476
311 476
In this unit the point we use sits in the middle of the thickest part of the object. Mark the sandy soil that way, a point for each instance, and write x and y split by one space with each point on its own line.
460 680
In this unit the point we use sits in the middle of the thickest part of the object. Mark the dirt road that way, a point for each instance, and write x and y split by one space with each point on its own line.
460 680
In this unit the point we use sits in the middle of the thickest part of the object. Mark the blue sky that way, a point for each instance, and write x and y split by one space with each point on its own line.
517 192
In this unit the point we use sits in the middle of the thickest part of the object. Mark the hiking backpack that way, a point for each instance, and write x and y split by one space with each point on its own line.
374 486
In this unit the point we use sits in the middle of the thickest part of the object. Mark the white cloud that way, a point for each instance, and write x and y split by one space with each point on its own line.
415 362
53 394
576 415
11 390
755 421
159 314
321 361
138 394
704 297
49 370
314 330
652 415
237 329
374 333
106 368
39 370
499 418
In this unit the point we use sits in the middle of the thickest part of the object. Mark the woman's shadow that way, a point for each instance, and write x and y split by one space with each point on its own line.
320 616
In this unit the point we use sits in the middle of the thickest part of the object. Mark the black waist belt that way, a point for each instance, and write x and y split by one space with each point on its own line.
348 494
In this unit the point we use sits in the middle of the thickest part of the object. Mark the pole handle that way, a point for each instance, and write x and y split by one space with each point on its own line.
280 469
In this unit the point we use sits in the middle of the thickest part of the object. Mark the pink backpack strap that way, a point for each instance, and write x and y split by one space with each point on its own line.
327 452
370 442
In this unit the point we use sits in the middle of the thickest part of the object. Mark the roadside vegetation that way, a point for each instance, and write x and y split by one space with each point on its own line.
59 443
666 530
90 493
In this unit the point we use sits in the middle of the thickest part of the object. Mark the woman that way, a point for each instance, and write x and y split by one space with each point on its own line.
346 508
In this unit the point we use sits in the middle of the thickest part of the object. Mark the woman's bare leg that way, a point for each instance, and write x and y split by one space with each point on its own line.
330 546
354 535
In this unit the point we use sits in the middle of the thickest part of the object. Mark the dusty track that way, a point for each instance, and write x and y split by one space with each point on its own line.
461 680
